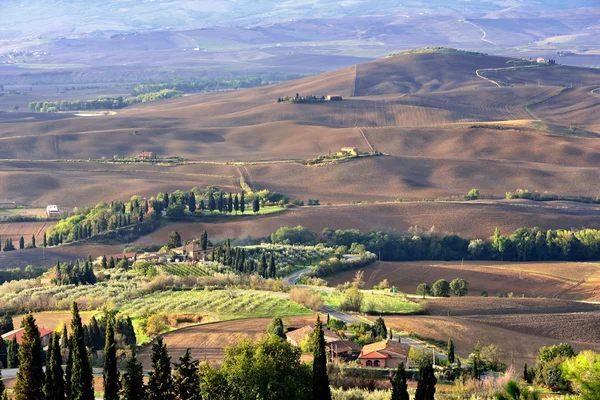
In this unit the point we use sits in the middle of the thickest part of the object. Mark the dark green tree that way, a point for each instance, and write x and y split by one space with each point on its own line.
379 329
426 383
33 241
399 386
81 380
2 387
6 324
242 203
111 262
174 240
186 378
132 382
30 377
221 206
192 202
525 373
272 269
21 243
103 262
111 373
160 383
276 328
476 362
256 205
45 242
12 353
3 354
441 288
236 203
320 379
54 386
230 204
204 240
212 204
450 351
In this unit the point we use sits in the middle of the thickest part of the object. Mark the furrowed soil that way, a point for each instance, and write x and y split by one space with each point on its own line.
208 341
576 281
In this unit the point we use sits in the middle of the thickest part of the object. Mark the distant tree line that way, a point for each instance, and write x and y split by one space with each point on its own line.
548 196
15 274
522 245
311 98
106 103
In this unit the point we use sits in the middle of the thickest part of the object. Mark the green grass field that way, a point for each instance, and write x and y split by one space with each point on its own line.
376 302
223 304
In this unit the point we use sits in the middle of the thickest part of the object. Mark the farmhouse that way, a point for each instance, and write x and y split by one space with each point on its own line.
347 350
334 97
541 60
45 335
295 337
384 354
147 155
52 211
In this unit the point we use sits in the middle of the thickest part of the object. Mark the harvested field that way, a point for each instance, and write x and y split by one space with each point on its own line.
53 319
575 281
519 347
208 341
556 326
482 306
15 230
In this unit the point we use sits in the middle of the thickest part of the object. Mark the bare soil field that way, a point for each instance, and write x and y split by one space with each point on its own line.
575 281
52 320
486 306
442 216
48 257
519 347
208 341
15 230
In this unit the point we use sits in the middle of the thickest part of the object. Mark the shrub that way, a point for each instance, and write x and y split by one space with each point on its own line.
472 195
313 202
353 299
156 324
423 290
441 288
307 298
459 287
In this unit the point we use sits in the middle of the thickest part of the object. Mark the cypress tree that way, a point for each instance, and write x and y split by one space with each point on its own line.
475 368
272 270
133 380
236 203
212 205
230 204
111 373
263 265
12 353
111 262
221 203
399 386
320 387
451 356
69 367
276 328
33 241
21 243
160 383
64 338
103 262
255 205
3 354
2 388
202 206
30 377
45 243
242 203
186 378
81 385
426 383
192 202
54 386
525 373
204 240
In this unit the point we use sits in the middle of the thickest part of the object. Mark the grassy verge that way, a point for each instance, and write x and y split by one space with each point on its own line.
376 303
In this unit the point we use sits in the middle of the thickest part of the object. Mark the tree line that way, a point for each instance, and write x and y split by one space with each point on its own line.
236 259
523 244
104 103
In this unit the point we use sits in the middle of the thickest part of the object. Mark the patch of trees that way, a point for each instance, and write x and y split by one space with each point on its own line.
260 262
311 98
16 274
522 245
212 85
548 196
80 273
94 333
105 103
441 288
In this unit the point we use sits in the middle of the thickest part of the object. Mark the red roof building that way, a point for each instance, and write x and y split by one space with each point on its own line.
384 354
44 335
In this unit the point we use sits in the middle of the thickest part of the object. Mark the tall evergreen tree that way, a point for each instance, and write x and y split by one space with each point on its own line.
45 242
525 373
450 349
132 382
3 354
192 202
12 353
426 383
30 377
21 243
103 262
111 262
320 380
255 205
476 366
111 373
33 241
276 328
242 203
272 270
186 380
160 383
204 240
399 386
212 204
263 265
2 387
81 385
230 204
221 203
236 203
54 386
69 367
6 324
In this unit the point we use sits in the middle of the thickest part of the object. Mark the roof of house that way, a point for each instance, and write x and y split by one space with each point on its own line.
342 346
299 334
374 355
330 336
19 334
388 345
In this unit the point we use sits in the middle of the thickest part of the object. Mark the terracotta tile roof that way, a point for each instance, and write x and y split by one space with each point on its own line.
386 345
300 334
19 334
373 355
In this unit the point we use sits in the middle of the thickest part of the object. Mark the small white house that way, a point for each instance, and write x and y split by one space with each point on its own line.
541 60
52 211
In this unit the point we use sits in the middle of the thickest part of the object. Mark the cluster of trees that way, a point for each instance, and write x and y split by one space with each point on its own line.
9 245
80 273
441 288
236 259
105 103
548 196
311 98
211 85
522 245
94 333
